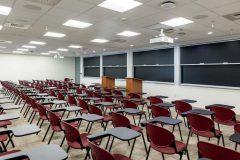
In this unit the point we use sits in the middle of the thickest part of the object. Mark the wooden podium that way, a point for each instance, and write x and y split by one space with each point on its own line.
133 85
108 82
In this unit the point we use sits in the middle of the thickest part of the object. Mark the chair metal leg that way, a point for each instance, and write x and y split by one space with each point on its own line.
236 145
68 149
33 117
134 141
46 133
62 141
187 155
144 142
188 137
163 156
51 137
38 121
148 152
223 141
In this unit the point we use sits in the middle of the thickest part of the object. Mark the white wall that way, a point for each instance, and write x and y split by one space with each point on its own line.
26 67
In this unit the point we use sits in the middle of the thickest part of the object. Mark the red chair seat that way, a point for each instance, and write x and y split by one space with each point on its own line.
5 123
136 128
228 123
84 140
120 157
170 150
208 134
3 137
84 111
107 118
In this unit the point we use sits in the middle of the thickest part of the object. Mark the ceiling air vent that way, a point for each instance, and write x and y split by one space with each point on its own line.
45 2
16 25
233 17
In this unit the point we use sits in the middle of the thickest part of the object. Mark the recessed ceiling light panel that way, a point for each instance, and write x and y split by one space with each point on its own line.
37 42
22 49
128 33
62 49
45 54
76 24
5 10
19 52
27 46
99 40
55 52
177 22
54 34
1 27
120 5
75 46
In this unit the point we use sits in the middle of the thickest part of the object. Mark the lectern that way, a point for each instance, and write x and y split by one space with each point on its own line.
133 85
108 82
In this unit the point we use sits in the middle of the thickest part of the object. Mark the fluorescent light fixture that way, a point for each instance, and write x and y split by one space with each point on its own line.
120 5
75 46
131 45
27 46
19 52
128 34
3 47
99 40
22 49
5 10
55 52
76 24
45 54
61 57
176 38
210 32
177 22
54 34
1 27
62 49
37 42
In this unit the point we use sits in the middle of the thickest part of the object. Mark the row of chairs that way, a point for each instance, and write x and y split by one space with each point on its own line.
166 145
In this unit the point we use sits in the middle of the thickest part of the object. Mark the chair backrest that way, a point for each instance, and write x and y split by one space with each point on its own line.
107 99
83 104
95 110
89 93
215 152
96 95
71 133
159 111
223 114
237 128
42 111
134 95
99 153
129 104
79 90
33 103
71 100
117 92
60 96
52 93
155 100
55 121
159 136
200 123
181 107
119 120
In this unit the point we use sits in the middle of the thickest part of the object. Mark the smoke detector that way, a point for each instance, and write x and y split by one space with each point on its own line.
162 39
168 4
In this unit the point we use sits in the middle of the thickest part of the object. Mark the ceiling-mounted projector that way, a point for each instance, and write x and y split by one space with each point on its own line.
163 39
